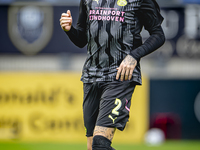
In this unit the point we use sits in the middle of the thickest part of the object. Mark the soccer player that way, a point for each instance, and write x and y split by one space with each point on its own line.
111 30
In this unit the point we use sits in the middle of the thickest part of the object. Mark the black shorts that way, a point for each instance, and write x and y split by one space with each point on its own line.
107 104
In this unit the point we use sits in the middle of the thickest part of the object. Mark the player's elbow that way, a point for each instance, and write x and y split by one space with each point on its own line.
159 36
159 33
81 45
82 41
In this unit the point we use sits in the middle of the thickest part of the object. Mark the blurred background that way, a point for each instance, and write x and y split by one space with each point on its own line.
41 92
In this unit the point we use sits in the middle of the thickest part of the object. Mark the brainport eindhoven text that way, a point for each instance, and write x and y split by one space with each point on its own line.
108 15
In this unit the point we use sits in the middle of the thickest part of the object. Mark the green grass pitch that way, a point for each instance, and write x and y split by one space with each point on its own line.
169 145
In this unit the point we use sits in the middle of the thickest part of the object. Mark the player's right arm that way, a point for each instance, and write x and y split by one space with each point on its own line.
77 35
66 21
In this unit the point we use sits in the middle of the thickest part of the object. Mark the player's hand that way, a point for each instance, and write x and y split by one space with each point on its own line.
125 70
66 21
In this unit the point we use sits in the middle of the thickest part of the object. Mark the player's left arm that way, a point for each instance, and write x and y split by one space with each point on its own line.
151 18
125 70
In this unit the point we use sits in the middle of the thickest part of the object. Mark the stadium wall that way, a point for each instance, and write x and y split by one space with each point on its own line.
48 107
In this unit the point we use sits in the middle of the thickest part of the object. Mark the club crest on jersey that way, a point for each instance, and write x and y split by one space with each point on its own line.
122 2
96 1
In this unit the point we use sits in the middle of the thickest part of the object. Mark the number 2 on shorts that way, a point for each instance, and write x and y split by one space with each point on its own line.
119 104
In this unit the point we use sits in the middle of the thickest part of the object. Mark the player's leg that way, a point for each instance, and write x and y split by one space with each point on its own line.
89 142
90 110
103 138
104 131
113 112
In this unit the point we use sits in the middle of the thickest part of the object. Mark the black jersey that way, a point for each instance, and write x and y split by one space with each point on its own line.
111 29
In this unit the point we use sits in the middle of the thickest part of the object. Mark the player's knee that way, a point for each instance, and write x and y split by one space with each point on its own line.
101 143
